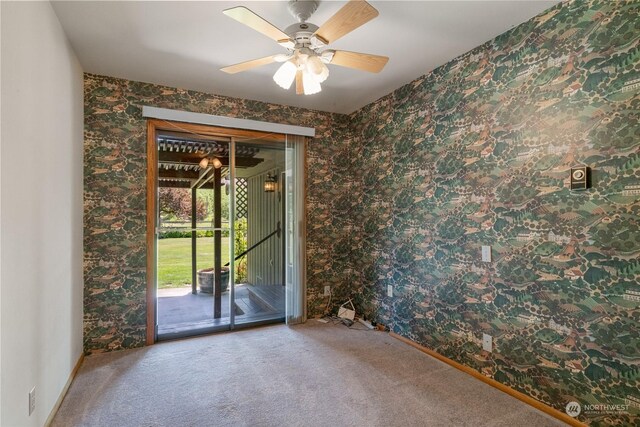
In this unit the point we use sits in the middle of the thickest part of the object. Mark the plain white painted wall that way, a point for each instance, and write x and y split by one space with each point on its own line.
41 175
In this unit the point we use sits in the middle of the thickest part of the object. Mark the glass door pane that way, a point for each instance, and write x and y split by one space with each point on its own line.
294 230
193 235
259 238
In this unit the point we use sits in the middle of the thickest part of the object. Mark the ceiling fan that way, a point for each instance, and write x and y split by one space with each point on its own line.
307 56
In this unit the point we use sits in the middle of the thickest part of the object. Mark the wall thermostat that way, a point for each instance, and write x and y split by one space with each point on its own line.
580 179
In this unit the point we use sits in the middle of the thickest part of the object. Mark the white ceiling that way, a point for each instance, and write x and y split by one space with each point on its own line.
183 44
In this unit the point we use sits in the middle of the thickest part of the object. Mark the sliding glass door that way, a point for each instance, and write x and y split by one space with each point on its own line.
230 240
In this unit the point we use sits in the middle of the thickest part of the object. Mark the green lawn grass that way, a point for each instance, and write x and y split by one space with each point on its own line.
174 259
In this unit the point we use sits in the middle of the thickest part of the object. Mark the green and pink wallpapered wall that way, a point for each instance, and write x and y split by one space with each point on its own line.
406 190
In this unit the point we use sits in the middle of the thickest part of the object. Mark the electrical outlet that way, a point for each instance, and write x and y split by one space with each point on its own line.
389 290
486 253
32 400
487 342
327 291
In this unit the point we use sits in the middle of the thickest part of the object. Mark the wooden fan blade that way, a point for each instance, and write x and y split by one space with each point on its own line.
359 61
250 19
351 16
247 65
299 84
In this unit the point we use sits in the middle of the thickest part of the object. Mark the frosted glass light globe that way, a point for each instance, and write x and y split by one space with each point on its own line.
285 75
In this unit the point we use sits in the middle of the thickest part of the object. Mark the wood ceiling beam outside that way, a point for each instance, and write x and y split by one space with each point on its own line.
194 158
182 175
174 184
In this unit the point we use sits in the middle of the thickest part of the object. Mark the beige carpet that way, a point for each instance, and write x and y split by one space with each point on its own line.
307 375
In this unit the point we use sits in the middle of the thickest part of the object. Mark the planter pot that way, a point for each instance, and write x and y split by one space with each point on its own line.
206 278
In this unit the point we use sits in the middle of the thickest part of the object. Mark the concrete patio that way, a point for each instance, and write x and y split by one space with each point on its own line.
180 310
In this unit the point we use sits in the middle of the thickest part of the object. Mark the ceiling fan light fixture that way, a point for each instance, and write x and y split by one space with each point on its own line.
285 75
317 69
204 163
311 85
325 73
302 59
315 65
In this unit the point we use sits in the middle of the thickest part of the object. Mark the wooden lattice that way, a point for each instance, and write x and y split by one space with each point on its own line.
241 198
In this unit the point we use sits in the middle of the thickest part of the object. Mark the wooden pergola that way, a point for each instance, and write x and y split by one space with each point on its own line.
179 157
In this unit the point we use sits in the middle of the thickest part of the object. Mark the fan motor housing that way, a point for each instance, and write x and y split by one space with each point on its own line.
301 32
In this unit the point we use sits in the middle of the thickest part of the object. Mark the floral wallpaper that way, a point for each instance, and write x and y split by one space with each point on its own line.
478 152
115 200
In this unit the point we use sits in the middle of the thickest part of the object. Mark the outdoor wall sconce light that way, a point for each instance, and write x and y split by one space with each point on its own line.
270 183
215 162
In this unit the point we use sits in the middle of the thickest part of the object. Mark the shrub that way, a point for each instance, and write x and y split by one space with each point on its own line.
178 234
241 246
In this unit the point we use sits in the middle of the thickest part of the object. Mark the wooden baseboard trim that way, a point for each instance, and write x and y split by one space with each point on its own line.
64 391
506 389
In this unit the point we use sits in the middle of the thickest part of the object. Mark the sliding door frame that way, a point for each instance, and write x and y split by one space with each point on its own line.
152 190
156 126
